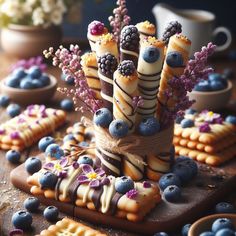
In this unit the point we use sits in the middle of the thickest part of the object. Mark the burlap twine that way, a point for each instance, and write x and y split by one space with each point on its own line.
133 145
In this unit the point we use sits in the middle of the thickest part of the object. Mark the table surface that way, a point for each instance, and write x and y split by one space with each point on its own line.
12 199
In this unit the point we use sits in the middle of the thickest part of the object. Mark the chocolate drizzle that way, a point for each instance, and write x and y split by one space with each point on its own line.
57 188
96 196
114 202
72 191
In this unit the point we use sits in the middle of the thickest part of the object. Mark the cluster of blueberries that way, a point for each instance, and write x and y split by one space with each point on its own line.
12 109
214 82
69 81
32 78
23 219
119 128
183 171
220 227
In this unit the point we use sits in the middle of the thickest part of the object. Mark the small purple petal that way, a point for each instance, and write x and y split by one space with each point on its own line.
62 174
204 128
94 183
15 232
105 181
147 184
75 165
48 166
64 162
218 120
2 131
87 169
15 135
83 179
131 194
100 172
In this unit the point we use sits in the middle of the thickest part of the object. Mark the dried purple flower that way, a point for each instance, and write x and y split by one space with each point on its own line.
69 61
131 194
2 131
15 135
147 184
137 102
204 128
119 19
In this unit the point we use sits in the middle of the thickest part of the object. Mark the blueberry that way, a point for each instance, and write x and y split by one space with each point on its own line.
48 180
185 229
45 79
149 126
118 128
174 59
44 142
67 104
228 73
179 119
83 144
215 77
182 158
225 232
54 150
224 207
13 156
151 54
161 234
169 179
183 171
33 165
207 233
4 101
13 110
172 193
231 120
70 81
102 117
190 111
85 160
216 85
187 123
35 72
68 137
124 184
19 73
51 213
37 83
31 204
192 165
222 223
26 84
12 82
22 220
203 86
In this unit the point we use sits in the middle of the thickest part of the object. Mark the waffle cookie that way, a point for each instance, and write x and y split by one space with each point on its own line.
205 137
26 129
66 227
85 187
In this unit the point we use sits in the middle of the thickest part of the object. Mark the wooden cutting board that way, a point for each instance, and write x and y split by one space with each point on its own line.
208 188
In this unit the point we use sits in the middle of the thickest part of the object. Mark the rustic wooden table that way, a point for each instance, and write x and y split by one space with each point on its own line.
12 199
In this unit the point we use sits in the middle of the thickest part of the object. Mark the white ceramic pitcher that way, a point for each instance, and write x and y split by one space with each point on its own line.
197 25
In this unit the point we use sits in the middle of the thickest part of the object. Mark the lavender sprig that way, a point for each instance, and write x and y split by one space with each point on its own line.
69 62
119 19
179 87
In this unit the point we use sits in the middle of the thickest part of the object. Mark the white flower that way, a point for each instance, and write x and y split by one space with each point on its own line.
56 17
12 9
28 6
38 16
48 5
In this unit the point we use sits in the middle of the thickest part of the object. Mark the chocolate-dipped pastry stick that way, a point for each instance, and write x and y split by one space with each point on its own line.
90 68
125 88
107 64
176 59
109 162
129 44
146 29
107 44
149 72
95 30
